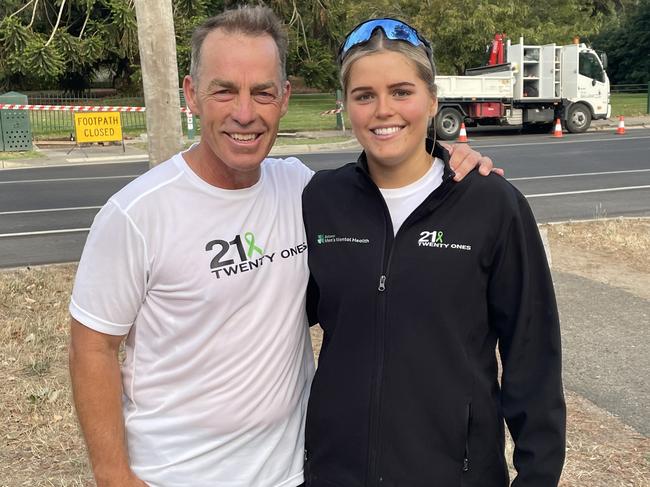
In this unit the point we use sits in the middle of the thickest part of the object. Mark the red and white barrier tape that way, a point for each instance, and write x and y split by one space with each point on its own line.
76 108
332 112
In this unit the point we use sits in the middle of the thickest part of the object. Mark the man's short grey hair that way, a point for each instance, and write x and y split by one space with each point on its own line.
248 20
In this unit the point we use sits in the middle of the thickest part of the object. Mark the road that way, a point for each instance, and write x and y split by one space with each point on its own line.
45 212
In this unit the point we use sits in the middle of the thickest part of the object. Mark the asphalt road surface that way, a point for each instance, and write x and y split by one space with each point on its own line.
45 212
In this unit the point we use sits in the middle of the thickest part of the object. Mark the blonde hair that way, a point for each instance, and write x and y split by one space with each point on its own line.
378 43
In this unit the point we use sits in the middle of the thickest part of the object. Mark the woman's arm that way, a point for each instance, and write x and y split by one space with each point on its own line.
523 310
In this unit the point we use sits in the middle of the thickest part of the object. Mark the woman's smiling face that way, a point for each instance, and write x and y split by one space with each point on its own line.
389 107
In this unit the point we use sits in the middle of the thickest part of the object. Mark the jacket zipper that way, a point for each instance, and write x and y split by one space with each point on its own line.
379 350
384 275
375 406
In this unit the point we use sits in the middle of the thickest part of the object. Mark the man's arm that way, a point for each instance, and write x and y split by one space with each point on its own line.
463 159
97 390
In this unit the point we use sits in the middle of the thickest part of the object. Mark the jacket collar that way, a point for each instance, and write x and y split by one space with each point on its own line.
438 151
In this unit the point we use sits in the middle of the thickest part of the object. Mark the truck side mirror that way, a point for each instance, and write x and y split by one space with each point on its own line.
603 59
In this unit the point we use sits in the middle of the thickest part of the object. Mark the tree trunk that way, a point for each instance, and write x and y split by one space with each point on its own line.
159 78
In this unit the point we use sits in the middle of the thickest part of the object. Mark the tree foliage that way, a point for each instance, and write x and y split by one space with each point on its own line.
63 43
627 44
460 31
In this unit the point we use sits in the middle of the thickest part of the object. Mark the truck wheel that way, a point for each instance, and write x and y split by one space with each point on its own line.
448 123
578 118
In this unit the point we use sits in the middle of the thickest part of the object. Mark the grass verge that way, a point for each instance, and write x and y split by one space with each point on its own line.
12 156
629 104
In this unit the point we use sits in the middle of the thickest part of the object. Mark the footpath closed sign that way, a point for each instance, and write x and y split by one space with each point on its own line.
98 127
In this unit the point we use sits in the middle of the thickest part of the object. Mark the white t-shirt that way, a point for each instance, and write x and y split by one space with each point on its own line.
402 201
209 284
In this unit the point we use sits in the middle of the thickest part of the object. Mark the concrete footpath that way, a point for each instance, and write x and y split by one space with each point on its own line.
605 344
57 153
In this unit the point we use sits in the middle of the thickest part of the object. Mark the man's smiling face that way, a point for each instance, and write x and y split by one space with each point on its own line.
240 97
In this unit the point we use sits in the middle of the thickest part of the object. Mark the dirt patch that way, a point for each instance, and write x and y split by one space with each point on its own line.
41 444
614 252
601 450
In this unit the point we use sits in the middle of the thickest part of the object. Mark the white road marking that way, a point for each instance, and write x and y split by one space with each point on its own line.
44 232
584 141
573 175
585 191
58 180
91 163
49 210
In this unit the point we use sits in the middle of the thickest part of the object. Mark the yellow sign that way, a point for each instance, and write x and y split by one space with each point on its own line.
98 127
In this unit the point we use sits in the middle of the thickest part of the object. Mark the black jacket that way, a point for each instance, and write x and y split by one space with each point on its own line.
406 392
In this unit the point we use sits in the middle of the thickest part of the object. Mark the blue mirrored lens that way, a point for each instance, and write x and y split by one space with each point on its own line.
393 29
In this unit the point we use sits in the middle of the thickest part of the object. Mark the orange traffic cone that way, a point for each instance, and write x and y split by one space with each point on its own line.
462 136
621 126
558 128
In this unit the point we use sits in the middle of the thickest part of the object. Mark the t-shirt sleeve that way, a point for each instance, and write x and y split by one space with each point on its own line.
305 173
111 280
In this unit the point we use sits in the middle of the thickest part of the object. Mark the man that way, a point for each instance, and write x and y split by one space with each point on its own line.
201 265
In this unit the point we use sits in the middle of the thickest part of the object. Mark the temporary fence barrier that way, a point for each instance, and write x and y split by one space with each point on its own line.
57 124
57 119
332 111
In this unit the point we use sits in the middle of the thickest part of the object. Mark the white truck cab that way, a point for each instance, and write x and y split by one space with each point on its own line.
586 84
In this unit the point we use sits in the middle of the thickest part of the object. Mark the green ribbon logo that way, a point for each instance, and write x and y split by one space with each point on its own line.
250 240
439 237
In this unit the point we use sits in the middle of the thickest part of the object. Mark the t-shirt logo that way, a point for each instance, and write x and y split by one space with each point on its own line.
252 248
224 246
250 255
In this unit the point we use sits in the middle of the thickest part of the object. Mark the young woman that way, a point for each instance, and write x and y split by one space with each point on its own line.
415 281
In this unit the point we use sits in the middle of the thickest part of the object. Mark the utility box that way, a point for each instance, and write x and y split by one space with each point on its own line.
15 127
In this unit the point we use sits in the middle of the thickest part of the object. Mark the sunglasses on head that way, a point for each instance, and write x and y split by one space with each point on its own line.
393 29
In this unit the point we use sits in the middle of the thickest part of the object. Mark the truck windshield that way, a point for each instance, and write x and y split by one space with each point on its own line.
589 66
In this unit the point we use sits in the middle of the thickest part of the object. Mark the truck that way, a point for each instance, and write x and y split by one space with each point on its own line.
526 85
